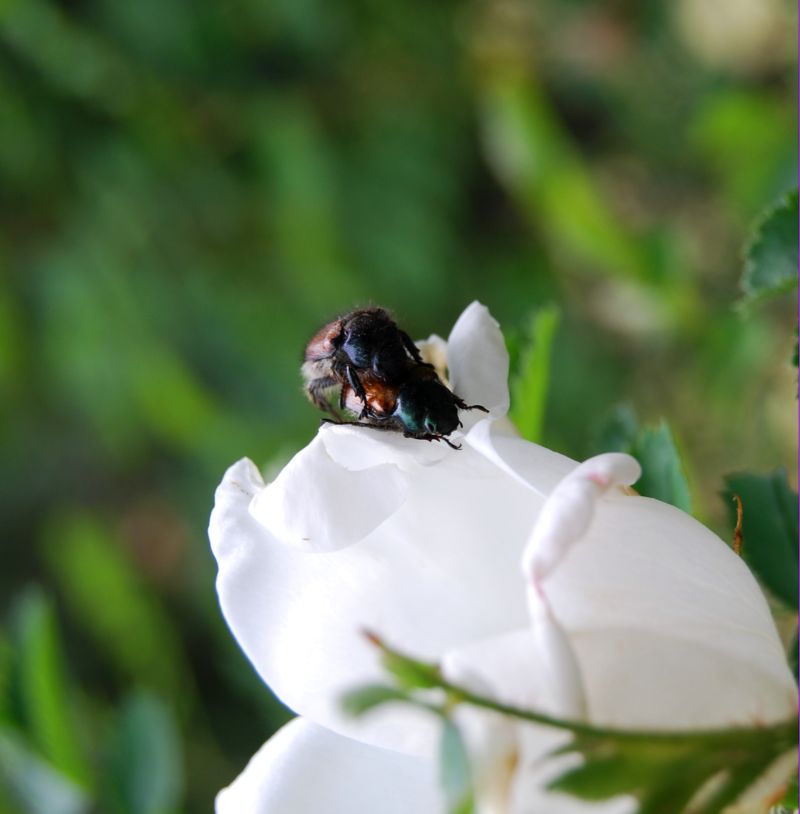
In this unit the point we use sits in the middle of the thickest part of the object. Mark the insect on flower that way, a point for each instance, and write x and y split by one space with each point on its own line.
363 365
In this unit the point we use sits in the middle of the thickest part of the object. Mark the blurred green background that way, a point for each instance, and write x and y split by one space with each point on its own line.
189 190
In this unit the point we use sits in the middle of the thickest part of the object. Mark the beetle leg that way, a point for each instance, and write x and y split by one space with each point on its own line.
315 390
408 342
339 421
432 437
462 405
355 383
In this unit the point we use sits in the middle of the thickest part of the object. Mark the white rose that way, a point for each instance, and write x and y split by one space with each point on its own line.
651 617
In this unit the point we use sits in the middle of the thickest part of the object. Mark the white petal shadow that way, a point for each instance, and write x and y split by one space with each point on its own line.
534 466
318 505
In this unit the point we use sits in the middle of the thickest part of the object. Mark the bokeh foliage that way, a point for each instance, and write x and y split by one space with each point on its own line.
188 190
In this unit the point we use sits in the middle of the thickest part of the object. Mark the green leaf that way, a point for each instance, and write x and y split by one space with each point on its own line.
663 770
664 775
106 595
537 162
410 674
663 476
617 431
530 384
769 529
662 472
455 770
36 785
43 687
364 699
6 680
145 774
771 258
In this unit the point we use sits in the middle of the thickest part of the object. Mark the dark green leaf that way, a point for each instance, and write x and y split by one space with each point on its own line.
145 775
362 700
455 770
663 476
617 430
36 785
611 768
665 775
662 471
42 686
529 386
771 255
769 529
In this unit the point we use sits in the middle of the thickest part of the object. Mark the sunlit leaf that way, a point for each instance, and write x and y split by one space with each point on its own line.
43 687
37 787
789 799
529 386
6 679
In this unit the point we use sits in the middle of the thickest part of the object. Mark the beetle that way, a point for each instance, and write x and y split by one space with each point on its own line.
363 364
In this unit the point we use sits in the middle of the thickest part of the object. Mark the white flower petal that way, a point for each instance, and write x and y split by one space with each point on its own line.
568 511
439 572
505 667
640 679
559 665
478 362
305 768
669 596
316 504
433 350
538 468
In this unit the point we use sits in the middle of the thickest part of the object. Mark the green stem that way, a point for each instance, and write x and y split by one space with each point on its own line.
784 733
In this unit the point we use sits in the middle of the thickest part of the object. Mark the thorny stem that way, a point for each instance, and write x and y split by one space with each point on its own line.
737 532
